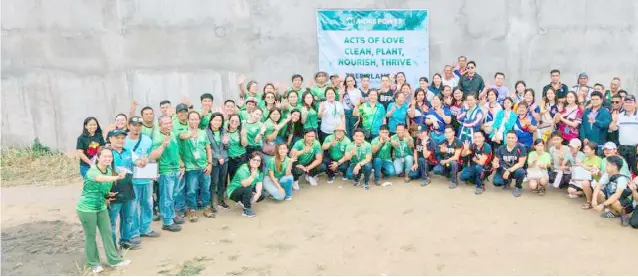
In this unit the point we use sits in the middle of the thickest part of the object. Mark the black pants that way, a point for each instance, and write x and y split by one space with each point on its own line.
342 168
633 221
218 181
322 136
629 153
564 183
296 172
156 197
233 165
244 195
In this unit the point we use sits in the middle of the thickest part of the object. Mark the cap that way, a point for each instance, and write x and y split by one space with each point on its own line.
630 97
135 120
340 127
582 75
116 132
609 145
181 107
251 99
575 142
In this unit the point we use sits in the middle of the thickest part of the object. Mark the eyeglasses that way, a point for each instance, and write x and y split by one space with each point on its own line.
255 160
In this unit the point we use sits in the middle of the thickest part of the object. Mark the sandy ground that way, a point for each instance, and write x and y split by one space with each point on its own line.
404 229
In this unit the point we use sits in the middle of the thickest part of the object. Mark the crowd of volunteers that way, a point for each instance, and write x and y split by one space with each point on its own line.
581 139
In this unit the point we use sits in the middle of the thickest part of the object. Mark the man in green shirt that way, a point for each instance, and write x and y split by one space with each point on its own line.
336 145
382 149
207 110
251 106
360 156
180 126
309 159
166 151
403 146
149 127
319 89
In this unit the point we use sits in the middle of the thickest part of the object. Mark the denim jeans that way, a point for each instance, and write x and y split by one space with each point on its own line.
218 180
350 121
386 166
270 187
365 170
83 169
404 164
143 213
341 168
179 195
452 170
422 171
518 175
167 184
197 182
125 212
473 173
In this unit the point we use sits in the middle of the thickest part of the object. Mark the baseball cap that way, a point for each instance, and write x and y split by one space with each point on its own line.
582 75
116 132
609 145
630 97
251 99
575 143
135 120
181 107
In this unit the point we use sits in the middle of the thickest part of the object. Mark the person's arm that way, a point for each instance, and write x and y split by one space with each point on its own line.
391 109
209 159
304 115
274 179
318 160
322 109
243 135
482 158
355 110
248 181
377 146
519 164
457 155
605 119
132 108
326 144
613 198
80 146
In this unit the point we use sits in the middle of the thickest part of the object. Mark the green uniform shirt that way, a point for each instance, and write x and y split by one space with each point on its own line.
299 94
259 96
385 152
203 124
312 118
194 154
178 127
252 130
286 112
319 92
360 152
544 159
149 131
242 174
169 161
372 118
243 115
235 149
278 173
338 150
93 198
308 157
403 149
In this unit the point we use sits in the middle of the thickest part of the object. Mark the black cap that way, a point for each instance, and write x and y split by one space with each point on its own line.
116 132
181 107
630 97
135 120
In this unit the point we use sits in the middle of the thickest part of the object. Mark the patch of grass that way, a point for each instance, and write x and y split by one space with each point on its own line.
37 164
191 268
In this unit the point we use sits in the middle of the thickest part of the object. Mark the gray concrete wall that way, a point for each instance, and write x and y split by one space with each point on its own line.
63 60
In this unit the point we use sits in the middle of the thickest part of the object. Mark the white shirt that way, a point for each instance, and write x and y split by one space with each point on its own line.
452 83
628 128
332 114
351 98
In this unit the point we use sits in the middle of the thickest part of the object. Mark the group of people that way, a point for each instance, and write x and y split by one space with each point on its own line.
582 139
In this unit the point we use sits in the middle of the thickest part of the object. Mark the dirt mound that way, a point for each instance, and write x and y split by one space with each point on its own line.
43 248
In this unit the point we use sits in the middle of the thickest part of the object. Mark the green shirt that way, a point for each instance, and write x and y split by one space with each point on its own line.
385 152
169 161
403 149
243 115
278 173
235 149
259 96
360 152
203 124
308 157
338 150
544 159
299 94
270 128
319 92
194 154
594 161
312 118
93 198
252 130
149 131
286 112
372 118
242 173
178 127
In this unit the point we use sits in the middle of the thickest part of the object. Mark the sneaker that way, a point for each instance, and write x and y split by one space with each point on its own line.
288 198
121 264
453 185
172 228
479 190
377 182
306 177
331 179
208 212
517 192
248 213
295 185
222 205
97 269
130 246
179 219
366 186
239 203
135 240
192 216
343 178
312 181
151 234
425 182
355 182
624 220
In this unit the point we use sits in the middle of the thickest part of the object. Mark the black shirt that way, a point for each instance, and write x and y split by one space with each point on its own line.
450 148
431 146
486 150
89 145
507 159
385 98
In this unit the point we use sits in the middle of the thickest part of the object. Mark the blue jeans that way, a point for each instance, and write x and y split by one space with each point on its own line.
386 166
350 121
403 165
341 168
270 187
518 175
452 170
125 211
197 182
422 171
83 169
473 173
365 170
167 184
218 180
143 213
179 195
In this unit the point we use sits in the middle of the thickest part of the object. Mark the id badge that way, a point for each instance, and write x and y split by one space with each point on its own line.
196 155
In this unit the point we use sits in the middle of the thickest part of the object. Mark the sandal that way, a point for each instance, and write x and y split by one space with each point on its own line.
608 214
586 206
541 192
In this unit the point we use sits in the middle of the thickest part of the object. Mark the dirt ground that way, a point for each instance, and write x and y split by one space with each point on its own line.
402 229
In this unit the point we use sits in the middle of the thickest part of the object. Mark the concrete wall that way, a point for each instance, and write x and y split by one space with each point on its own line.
63 60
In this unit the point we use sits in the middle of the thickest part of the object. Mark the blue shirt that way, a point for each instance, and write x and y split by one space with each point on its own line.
398 116
123 159
524 137
143 149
